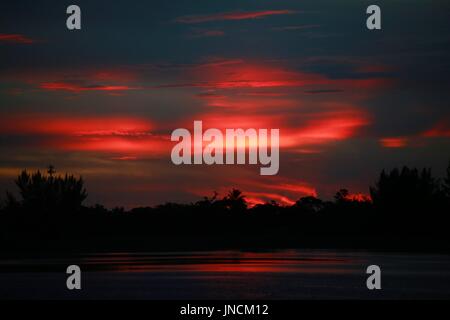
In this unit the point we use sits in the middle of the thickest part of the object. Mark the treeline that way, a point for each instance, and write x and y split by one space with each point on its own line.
408 209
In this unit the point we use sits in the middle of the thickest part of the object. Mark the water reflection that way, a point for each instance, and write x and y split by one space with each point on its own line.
291 274
223 261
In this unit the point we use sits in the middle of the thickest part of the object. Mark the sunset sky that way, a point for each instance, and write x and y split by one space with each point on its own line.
103 101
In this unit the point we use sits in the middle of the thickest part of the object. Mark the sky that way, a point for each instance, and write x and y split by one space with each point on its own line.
102 101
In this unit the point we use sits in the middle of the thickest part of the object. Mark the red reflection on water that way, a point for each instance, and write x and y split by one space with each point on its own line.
218 262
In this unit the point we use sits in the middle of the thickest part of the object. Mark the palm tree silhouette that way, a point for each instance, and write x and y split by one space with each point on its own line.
235 201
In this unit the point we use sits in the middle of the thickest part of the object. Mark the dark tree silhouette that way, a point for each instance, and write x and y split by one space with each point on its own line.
406 191
207 202
270 209
51 170
341 196
409 210
48 193
235 201
309 205
11 202
446 183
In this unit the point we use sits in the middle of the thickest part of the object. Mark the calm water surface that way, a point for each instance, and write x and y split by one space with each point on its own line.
293 274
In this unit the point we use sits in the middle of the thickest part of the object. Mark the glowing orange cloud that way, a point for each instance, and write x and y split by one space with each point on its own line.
394 142
231 16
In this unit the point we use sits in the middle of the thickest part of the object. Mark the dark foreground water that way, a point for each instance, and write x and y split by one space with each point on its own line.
293 274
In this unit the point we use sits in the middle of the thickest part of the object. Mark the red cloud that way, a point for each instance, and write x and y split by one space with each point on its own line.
258 191
325 127
255 198
393 142
359 197
237 74
224 121
109 134
64 86
15 38
284 191
43 124
151 145
299 132
246 75
231 16
307 123
442 129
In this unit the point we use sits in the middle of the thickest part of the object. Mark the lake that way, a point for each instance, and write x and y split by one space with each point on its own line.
288 274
